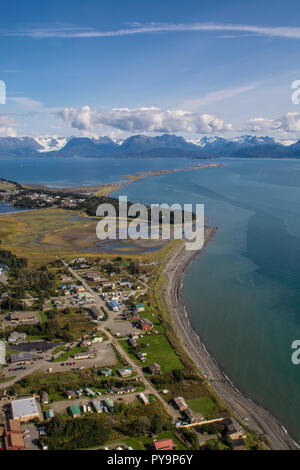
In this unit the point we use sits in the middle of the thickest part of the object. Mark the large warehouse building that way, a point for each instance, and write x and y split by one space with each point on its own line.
24 409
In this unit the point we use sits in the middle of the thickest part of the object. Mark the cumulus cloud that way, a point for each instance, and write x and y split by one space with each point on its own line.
8 132
5 129
146 119
290 122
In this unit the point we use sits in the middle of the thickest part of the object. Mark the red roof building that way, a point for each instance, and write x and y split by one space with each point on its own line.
164 444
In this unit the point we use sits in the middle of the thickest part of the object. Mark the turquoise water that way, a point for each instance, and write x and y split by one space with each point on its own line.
243 292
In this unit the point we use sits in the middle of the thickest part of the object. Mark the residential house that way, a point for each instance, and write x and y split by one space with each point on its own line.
75 411
139 308
97 406
234 429
70 394
109 404
141 356
143 398
125 372
193 417
79 289
49 414
45 398
132 342
154 368
106 372
93 276
164 444
180 403
145 324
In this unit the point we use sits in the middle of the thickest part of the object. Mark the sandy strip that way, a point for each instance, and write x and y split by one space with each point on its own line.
107 189
257 418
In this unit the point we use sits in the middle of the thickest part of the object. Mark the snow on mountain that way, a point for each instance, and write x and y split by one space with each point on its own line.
50 143
286 142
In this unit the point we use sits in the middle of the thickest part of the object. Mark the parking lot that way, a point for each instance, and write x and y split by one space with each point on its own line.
31 436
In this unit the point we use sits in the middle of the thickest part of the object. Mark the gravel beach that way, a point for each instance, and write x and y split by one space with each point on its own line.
254 416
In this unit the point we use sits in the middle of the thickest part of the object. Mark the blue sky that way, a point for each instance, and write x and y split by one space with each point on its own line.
113 67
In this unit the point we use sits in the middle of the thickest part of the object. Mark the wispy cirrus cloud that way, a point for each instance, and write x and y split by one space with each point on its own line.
59 30
217 96
26 102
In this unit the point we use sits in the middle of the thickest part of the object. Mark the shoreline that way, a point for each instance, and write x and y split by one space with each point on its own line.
107 189
258 419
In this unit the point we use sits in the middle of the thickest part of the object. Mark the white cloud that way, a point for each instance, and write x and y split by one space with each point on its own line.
290 122
8 132
73 31
5 129
147 119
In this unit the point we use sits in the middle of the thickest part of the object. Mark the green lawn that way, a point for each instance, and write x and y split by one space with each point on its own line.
203 405
159 350
71 352
34 338
43 317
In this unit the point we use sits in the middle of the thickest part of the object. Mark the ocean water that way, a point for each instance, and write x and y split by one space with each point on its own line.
243 292
68 172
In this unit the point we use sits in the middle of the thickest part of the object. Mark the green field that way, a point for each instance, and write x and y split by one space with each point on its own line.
71 352
159 350
203 405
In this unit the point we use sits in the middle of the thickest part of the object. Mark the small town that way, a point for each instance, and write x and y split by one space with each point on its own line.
84 343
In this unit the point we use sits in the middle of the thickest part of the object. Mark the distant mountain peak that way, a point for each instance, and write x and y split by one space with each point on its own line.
140 145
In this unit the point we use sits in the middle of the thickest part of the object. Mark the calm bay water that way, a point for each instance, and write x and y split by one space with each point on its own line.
243 292
68 172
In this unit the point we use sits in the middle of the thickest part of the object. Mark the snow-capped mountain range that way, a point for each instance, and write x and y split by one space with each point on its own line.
165 145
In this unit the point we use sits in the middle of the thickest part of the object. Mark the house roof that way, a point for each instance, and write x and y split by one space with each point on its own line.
24 407
75 409
164 444
14 425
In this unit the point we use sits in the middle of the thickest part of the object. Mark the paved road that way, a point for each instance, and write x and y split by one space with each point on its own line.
169 409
